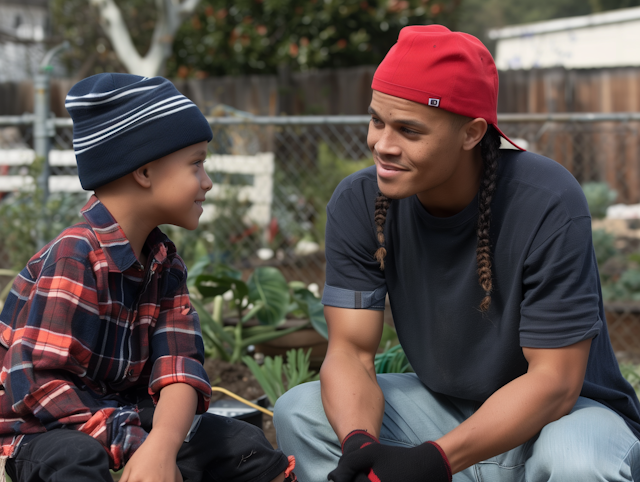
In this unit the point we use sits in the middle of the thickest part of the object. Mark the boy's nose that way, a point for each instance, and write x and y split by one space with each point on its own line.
207 183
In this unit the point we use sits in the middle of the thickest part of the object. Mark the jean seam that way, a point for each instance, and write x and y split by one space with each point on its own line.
396 442
626 455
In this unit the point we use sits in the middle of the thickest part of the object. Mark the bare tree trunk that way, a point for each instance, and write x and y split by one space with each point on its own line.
171 14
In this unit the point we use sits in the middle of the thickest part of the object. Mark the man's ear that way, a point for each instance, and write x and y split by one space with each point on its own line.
474 131
141 176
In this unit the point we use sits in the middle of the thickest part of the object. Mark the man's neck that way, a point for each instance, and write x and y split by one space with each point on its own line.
451 198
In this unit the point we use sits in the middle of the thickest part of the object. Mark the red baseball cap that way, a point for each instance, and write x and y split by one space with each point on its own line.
434 66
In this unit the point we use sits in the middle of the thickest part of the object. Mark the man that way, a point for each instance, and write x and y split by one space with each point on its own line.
488 262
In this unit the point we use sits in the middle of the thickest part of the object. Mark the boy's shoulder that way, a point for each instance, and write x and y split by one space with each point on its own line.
77 242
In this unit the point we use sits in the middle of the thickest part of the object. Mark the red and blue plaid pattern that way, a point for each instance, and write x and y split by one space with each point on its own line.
84 323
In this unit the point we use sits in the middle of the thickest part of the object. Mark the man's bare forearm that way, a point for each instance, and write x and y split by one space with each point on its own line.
520 409
351 396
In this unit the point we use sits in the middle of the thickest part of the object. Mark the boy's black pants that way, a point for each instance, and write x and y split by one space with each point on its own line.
222 449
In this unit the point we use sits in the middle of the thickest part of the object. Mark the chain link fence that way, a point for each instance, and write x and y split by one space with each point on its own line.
312 154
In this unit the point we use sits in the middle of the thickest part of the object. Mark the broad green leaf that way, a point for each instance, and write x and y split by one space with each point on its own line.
267 285
210 286
297 285
313 309
224 271
196 270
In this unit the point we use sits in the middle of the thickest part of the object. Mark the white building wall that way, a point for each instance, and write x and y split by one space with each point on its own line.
610 39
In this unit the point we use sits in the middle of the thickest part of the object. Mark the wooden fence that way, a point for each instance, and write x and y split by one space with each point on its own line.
348 92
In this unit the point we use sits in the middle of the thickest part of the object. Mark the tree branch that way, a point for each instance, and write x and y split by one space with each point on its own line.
170 16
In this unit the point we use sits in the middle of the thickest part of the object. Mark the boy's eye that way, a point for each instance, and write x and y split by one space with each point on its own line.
407 131
375 121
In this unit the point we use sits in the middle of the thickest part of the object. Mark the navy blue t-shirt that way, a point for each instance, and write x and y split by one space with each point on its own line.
546 285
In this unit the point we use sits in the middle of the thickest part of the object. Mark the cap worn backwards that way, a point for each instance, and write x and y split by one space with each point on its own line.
449 70
124 121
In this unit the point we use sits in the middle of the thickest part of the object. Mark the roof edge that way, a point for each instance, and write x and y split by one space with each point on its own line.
567 23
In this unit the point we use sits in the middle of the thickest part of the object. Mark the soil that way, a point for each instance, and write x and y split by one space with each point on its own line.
237 378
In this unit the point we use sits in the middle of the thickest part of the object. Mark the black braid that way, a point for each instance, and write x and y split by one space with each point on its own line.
380 216
490 152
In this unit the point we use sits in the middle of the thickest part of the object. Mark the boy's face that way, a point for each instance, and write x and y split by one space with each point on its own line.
418 150
179 183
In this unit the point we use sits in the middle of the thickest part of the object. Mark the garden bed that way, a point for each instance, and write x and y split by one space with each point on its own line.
237 378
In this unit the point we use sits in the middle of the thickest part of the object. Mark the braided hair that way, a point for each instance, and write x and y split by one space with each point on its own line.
490 152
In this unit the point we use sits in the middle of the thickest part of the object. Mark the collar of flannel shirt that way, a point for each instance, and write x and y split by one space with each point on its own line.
114 242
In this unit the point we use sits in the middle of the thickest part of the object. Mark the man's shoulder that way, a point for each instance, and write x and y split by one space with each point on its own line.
535 179
359 187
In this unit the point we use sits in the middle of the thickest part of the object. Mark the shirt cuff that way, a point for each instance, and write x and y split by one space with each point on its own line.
367 300
178 369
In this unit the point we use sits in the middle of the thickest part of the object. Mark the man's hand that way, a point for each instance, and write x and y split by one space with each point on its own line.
152 462
366 459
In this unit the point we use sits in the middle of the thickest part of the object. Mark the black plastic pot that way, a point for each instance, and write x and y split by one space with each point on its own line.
240 411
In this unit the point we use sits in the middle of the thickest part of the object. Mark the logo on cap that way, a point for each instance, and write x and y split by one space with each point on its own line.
434 102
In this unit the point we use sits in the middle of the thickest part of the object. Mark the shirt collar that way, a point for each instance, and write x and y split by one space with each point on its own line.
114 243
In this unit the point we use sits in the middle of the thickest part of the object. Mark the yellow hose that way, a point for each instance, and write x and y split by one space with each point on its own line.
243 400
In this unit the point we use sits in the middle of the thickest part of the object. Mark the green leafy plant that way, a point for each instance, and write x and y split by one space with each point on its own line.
265 297
599 198
7 288
604 245
28 220
392 360
632 374
276 377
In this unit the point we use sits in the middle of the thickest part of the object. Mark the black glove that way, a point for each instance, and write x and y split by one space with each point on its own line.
356 440
365 459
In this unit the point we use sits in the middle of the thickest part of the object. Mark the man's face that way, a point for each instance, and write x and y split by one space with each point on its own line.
421 150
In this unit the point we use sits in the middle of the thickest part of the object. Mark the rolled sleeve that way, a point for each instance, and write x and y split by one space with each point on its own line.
177 348
179 369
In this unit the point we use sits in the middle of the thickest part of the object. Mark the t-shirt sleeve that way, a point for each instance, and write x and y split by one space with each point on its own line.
354 278
561 294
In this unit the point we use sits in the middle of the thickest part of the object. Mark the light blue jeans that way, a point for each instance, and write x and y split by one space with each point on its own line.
592 443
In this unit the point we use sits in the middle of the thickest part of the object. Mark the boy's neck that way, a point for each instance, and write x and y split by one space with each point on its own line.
135 224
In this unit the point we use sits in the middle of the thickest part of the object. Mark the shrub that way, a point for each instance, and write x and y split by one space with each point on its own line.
599 198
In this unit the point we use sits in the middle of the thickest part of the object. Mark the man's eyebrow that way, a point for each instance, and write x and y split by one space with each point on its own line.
200 153
407 122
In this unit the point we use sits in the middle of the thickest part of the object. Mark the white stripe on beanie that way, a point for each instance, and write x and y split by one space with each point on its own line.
108 138
94 95
131 118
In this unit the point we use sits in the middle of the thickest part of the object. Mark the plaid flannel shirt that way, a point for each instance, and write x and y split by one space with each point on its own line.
84 324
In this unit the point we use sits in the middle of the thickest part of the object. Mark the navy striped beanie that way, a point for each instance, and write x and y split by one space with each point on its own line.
124 121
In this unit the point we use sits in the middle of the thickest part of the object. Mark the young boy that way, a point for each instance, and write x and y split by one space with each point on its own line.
98 328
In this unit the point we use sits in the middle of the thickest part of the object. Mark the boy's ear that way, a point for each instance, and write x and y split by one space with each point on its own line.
474 131
141 176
